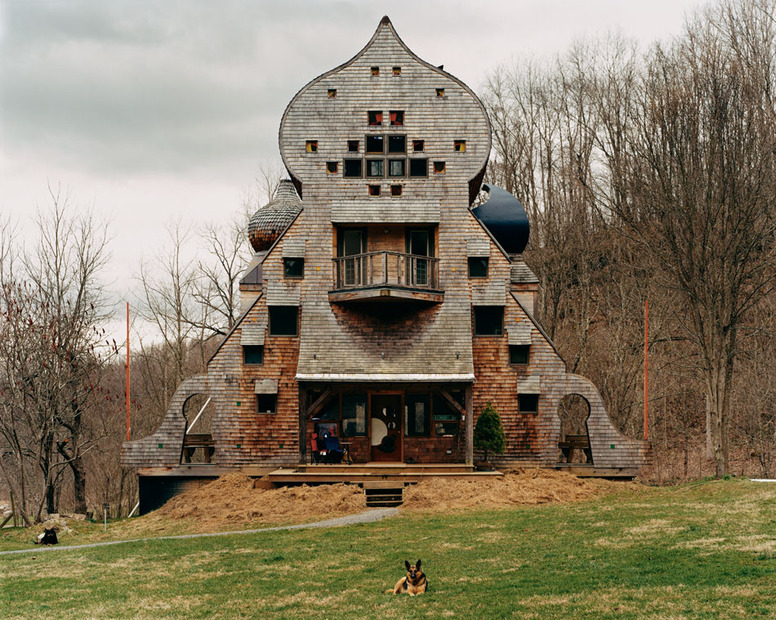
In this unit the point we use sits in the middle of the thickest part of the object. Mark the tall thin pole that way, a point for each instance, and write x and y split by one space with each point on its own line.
646 370
127 371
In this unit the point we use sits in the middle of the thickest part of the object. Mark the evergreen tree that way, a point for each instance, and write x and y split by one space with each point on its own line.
489 433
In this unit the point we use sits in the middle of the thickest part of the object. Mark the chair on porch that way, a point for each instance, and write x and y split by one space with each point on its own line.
327 449
336 450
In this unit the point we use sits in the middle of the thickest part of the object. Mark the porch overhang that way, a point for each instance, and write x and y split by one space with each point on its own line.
387 378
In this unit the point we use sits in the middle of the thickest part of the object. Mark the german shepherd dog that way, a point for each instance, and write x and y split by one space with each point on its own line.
413 583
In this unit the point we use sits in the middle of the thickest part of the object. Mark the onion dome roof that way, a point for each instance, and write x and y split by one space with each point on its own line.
505 218
269 222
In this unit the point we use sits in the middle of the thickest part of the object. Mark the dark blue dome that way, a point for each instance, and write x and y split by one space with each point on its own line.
505 217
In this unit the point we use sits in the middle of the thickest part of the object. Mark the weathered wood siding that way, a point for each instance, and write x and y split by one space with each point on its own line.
364 347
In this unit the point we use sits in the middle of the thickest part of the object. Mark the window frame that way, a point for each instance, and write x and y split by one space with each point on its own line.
274 400
254 348
347 163
403 162
477 322
532 400
275 321
370 141
392 139
289 268
379 164
524 350
473 260
414 161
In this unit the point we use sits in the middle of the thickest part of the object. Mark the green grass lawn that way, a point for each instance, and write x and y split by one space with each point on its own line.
696 551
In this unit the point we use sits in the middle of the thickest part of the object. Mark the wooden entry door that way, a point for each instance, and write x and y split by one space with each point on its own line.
386 427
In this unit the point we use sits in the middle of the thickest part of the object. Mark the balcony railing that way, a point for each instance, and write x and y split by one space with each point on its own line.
392 269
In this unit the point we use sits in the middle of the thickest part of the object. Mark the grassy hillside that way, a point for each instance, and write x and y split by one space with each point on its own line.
698 551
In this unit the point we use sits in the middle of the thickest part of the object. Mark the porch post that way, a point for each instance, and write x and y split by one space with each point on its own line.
302 426
469 425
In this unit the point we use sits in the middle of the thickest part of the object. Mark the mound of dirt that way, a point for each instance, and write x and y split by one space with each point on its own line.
232 501
521 487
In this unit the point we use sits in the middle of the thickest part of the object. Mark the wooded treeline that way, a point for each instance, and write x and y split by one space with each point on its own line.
652 176
648 175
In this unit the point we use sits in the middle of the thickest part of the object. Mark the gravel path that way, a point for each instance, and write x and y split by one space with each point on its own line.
363 517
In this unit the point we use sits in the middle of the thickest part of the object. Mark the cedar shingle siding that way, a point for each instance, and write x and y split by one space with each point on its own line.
401 321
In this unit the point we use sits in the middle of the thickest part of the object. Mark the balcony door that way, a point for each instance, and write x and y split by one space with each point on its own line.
419 244
352 242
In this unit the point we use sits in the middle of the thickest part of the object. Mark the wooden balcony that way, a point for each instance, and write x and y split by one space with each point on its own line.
386 277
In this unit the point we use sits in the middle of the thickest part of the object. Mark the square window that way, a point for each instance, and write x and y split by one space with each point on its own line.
397 70
397 144
374 167
518 353
283 320
353 146
353 168
488 320
293 267
459 146
332 92
396 190
375 117
374 190
439 167
418 146
396 167
375 144
528 403
418 167
311 146
440 92
332 167
266 403
478 266
397 117
375 71
253 354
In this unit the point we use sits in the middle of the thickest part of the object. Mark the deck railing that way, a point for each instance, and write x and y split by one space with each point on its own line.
386 268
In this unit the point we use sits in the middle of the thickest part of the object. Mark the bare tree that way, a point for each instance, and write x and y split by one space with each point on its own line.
53 351
217 284
704 179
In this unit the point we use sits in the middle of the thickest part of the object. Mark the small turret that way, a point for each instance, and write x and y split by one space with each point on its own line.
269 222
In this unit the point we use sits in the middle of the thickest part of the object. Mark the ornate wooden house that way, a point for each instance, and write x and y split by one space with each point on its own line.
380 307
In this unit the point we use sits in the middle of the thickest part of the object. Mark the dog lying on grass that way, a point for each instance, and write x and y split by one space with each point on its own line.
414 582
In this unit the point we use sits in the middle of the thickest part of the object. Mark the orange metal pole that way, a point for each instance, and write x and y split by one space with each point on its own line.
646 370
127 371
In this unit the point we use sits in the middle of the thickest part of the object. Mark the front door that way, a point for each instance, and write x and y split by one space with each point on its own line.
385 427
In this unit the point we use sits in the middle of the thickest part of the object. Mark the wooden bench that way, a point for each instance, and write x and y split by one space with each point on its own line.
576 442
198 440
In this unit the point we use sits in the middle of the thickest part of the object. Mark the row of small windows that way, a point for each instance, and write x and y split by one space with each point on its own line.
376 190
377 143
440 92
377 168
375 117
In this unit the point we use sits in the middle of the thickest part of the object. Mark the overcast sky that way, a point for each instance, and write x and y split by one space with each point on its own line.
148 110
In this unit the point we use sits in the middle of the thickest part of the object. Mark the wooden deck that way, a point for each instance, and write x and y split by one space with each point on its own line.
366 474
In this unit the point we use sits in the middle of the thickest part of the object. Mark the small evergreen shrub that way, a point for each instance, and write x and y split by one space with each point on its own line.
489 433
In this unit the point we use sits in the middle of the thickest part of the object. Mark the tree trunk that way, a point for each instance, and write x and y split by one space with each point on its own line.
79 485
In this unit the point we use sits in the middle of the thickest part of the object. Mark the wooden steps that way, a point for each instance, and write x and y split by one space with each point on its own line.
383 494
